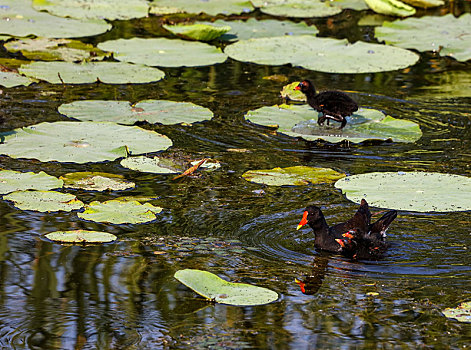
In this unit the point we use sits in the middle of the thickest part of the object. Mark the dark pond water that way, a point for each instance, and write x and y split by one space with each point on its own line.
123 295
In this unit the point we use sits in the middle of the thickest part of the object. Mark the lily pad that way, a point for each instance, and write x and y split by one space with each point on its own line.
44 201
11 181
164 52
297 8
357 5
198 31
214 288
210 7
294 176
365 124
152 111
462 313
47 49
19 19
288 92
425 3
11 79
120 212
91 72
411 191
391 7
149 165
96 181
322 54
98 9
81 236
80 142
447 35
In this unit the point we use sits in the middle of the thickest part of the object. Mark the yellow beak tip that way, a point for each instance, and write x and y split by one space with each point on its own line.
299 226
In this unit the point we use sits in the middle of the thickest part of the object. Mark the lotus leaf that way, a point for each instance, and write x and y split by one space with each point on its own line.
44 201
81 236
321 54
11 79
365 124
214 288
47 49
164 52
91 72
152 111
198 31
97 9
19 19
120 212
96 181
252 28
11 180
288 92
297 8
447 35
411 191
81 142
294 176
210 7
391 7
149 165
425 3
462 313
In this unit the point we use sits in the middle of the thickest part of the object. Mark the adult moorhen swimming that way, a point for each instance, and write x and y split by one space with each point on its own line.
335 105
356 238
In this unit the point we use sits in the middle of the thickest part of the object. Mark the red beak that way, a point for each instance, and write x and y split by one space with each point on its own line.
303 221
301 285
297 88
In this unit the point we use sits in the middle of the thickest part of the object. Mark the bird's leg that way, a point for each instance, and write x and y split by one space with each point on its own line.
320 120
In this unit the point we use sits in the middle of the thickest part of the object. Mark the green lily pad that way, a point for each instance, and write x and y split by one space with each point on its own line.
214 288
120 212
357 5
322 54
19 19
97 9
11 79
288 92
47 49
81 236
411 191
447 35
297 8
11 181
210 7
91 72
44 201
96 181
462 313
252 28
292 176
391 7
198 31
80 142
152 111
149 165
425 3
365 124
164 52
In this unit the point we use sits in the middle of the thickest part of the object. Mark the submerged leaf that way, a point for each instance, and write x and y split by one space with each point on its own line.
44 201
198 31
149 165
96 181
81 236
11 180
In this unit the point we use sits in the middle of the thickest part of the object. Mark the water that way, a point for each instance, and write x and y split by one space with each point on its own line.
123 295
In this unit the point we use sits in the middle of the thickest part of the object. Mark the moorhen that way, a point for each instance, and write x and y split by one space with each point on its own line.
356 238
335 105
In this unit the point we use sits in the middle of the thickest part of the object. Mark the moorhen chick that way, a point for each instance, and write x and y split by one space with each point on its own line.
335 105
356 238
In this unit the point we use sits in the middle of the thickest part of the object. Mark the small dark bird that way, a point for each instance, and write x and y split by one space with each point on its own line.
335 105
356 238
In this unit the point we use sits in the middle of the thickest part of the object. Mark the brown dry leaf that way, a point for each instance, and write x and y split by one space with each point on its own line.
192 169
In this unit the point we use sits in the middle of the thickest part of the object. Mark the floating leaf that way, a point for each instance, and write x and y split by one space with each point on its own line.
198 31
211 7
297 8
391 7
164 52
447 35
365 124
80 142
209 164
11 79
81 236
152 111
11 180
44 201
358 5
462 313
322 54
411 191
19 19
216 289
97 9
96 181
91 72
120 212
288 92
149 165
294 176
425 3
